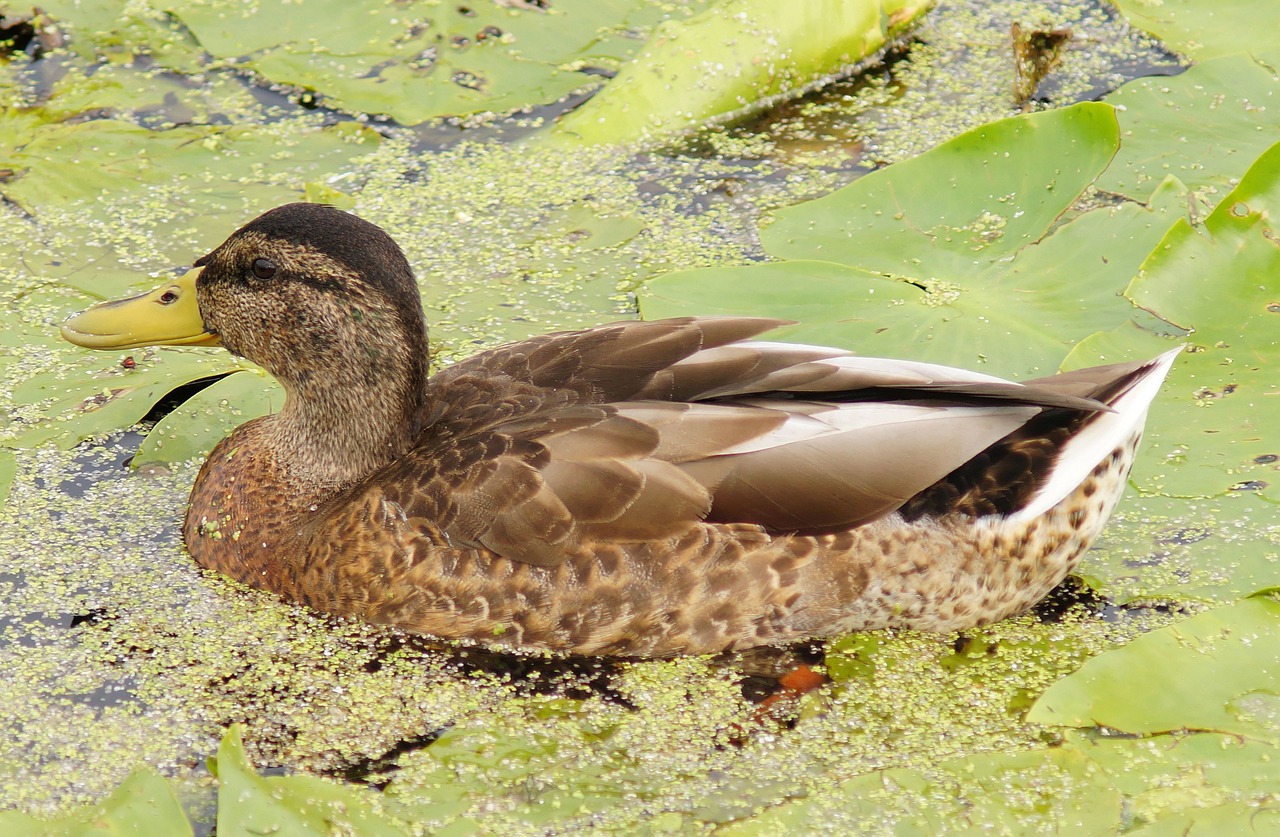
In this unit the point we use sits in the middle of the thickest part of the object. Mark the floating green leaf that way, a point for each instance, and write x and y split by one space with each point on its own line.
201 181
79 398
1205 126
143 804
1203 29
977 199
1231 818
734 58
81 161
1211 549
118 30
1220 283
412 61
1169 781
249 804
1216 672
947 256
1043 791
193 428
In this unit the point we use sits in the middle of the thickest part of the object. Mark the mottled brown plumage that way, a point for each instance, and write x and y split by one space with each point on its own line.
641 488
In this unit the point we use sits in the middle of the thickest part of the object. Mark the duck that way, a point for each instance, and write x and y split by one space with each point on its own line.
636 489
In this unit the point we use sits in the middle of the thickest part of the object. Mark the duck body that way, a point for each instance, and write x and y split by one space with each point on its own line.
641 488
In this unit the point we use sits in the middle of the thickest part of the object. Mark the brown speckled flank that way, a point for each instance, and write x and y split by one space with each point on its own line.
636 489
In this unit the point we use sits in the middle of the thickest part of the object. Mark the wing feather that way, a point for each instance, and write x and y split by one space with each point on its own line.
639 431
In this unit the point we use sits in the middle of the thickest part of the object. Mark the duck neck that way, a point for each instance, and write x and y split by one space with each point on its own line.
342 422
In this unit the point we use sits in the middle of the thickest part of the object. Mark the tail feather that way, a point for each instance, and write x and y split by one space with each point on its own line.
1128 389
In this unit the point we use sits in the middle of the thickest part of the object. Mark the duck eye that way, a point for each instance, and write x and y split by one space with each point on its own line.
264 268
169 297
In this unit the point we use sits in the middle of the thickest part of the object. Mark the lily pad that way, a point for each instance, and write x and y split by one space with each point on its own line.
118 30
948 256
1215 549
192 429
79 396
1172 781
412 61
1231 818
142 804
1047 791
82 161
249 804
1203 29
98 189
734 58
1213 672
1205 126
1219 283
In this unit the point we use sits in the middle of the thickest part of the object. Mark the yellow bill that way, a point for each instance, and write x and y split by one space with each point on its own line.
167 316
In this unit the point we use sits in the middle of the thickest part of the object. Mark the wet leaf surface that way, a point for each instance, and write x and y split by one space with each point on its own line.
1039 791
1206 30
1216 671
732 59
1172 781
143 804
250 804
1204 127
945 257
1216 282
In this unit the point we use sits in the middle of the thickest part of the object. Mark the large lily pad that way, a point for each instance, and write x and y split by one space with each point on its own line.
1205 126
948 256
1206 28
192 429
143 804
1261 817
1213 672
1214 549
75 395
1171 782
249 804
412 61
735 57
1016 793
97 189
1218 282
62 163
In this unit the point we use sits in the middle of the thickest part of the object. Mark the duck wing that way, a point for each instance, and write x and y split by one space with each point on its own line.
642 431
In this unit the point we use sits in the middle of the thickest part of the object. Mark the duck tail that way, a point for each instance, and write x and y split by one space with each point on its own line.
1128 390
